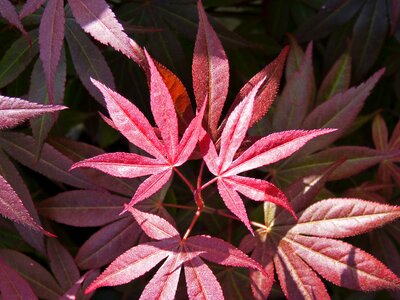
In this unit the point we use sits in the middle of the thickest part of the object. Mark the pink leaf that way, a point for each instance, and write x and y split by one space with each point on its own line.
150 186
165 282
108 243
270 75
341 217
163 109
13 178
233 201
82 208
120 164
220 252
131 122
200 281
51 36
29 7
261 284
259 190
97 19
132 264
190 138
273 148
208 152
154 226
7 11
210 71
235 129
12 207
12 285
14 111
297 279
62 264
344 264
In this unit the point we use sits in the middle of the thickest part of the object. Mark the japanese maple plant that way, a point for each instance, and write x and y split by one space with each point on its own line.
197 157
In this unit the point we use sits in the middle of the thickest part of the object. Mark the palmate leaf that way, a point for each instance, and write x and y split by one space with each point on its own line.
265 151
299 250
168 153
201 282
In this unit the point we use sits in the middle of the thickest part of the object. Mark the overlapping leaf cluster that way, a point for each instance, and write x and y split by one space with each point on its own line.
156 204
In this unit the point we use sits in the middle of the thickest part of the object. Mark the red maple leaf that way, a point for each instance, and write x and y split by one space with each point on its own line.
177 252
130 121
299 250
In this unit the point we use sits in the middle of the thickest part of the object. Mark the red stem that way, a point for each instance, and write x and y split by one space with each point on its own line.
185 180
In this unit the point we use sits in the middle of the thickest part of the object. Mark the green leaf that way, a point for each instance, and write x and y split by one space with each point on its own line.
18 57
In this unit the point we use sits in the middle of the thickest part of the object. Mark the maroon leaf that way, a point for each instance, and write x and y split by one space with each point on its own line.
296 97
97 19
14 111
339 112
62 264
88 61
12 285
7 11
82 208
132 264
108 243
341 217
337 80
200 280
40 280
78 150
51 36
38 92
357 160
29 7
52 163
11 175
297 279
344 264
210 71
